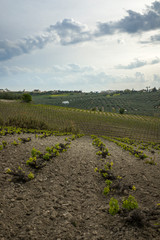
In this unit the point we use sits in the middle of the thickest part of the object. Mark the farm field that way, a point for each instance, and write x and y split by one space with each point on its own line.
138 103
91 175
62 197
145 128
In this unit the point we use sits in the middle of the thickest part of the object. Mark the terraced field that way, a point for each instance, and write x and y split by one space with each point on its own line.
62 193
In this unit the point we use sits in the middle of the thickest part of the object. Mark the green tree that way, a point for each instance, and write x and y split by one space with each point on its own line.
26 97
121 110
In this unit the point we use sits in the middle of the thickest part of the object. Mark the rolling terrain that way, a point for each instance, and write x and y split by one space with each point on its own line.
77 174
137 103
77 120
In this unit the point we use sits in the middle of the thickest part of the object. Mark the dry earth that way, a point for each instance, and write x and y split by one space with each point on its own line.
65 200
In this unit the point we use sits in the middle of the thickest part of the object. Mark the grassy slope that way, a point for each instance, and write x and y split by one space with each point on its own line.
109 124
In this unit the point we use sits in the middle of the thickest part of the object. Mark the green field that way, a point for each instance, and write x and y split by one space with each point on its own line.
145 128
137 103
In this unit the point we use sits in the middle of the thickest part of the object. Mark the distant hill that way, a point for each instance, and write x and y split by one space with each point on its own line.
138 103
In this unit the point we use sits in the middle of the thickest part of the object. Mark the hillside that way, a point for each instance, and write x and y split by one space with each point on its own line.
65 198
75 120
138 103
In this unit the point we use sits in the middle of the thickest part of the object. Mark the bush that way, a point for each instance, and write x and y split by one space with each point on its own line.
121 110
26 97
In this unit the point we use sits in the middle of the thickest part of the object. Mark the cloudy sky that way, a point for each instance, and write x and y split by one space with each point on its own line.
88 45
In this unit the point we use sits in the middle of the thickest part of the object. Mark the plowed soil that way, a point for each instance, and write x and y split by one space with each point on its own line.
65 200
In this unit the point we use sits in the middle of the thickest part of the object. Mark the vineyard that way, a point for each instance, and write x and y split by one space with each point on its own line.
77 120
58 185
139 103
70 173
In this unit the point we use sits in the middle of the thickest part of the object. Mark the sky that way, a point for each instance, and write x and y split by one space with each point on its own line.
88 45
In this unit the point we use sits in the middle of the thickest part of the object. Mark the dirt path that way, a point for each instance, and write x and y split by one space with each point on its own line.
65 199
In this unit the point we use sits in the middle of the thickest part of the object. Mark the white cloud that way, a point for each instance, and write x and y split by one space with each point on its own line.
138 63
69 32
71 76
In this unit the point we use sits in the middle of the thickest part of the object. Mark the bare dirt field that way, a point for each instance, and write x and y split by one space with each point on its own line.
65 200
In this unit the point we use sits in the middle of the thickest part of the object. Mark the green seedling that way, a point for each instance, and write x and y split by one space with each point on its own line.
8 170
30 175
4 143
48 149
31 161
15 143
35 152
108 182
130 203
119 177
133 188
55 152
108 166
106 190
114 206
46 156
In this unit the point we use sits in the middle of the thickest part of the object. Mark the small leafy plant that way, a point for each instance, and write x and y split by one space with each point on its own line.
114 206
30 175
14 143
4 143
47 156
106 190
33 162
133 188
24 140
35 152
130 203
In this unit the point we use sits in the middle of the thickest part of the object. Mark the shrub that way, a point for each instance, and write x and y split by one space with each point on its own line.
121 110
26 97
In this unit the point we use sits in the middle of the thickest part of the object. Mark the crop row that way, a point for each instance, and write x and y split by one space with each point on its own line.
76 120
114 185
126 207
144 145
131 150
38 160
